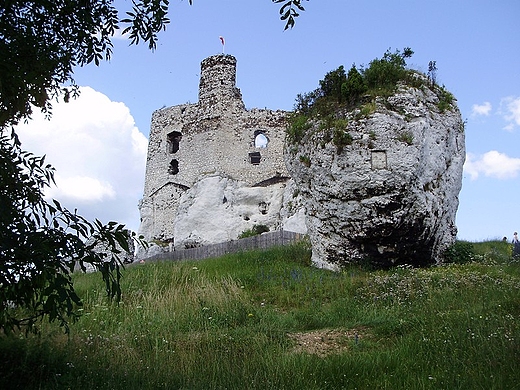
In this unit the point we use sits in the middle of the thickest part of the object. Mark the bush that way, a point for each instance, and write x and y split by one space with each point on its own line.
459 253
354 86
254 231
445 100
331 85
406 137
298 126
383 74
341 139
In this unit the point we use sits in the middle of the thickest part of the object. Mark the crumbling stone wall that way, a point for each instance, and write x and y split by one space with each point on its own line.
215 137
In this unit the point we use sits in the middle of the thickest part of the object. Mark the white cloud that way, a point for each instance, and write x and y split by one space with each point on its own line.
118 34
492 164
481 109
82 189
510 108
98 153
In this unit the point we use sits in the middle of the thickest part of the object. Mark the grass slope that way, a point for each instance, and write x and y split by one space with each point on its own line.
268 320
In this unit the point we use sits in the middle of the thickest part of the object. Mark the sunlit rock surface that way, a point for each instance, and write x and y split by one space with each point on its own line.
391 196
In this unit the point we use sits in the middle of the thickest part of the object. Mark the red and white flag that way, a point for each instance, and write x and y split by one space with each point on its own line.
223 43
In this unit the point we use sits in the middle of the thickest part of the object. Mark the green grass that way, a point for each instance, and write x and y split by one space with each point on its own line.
268 320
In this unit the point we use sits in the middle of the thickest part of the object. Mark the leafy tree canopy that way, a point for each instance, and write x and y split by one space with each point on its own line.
41 242
41 41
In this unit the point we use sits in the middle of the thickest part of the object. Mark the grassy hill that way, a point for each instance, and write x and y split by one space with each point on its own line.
268 320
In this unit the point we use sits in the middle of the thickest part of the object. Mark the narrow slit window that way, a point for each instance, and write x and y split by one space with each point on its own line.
174 167
174 139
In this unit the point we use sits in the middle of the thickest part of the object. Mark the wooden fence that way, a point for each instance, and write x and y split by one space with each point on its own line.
262 241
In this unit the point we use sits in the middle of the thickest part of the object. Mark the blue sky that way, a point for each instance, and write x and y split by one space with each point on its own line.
99 145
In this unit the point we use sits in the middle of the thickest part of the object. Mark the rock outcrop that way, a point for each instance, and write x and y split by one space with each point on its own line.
218 209
387 191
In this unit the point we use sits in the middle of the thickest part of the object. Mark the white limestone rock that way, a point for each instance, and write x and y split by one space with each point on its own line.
218 209
390 196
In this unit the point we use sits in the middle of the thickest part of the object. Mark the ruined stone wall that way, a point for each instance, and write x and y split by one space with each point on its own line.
221 144
216 136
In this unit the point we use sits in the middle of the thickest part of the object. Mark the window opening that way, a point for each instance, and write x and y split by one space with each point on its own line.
379 159
174 167
174 138
254 158
261 139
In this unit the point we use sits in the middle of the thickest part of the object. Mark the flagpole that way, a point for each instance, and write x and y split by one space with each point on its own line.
223 43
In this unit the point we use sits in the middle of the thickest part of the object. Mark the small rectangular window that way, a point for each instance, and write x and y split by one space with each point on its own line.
378 159
254 158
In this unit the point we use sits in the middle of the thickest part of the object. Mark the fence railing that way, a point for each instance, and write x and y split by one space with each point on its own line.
262 241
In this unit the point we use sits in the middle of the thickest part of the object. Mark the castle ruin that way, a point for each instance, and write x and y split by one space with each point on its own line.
389 194
214 168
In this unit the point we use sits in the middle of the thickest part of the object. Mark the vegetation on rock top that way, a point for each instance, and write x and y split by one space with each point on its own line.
340 92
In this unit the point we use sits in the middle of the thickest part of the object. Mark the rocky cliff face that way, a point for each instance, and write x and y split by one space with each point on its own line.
384 187
218 209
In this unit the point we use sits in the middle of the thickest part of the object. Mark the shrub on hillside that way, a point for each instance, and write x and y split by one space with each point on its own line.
254 231
460 252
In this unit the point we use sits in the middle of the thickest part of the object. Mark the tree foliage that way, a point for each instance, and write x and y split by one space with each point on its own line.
41 42
289 11
331 84
42 242
340 89
384 73
354 86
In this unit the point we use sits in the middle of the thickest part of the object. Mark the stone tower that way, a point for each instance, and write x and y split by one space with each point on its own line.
214 168
217 89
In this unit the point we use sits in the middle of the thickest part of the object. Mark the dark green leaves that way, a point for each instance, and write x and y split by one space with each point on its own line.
289 11
147 18
41 42
41 243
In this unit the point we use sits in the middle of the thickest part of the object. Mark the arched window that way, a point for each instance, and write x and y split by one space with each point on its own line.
261 139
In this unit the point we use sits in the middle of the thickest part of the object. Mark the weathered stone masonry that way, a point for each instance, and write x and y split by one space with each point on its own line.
216 137
216 169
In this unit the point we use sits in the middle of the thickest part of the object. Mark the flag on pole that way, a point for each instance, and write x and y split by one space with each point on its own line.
223 43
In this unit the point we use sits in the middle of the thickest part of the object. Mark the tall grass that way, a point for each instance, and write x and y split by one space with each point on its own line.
268 320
